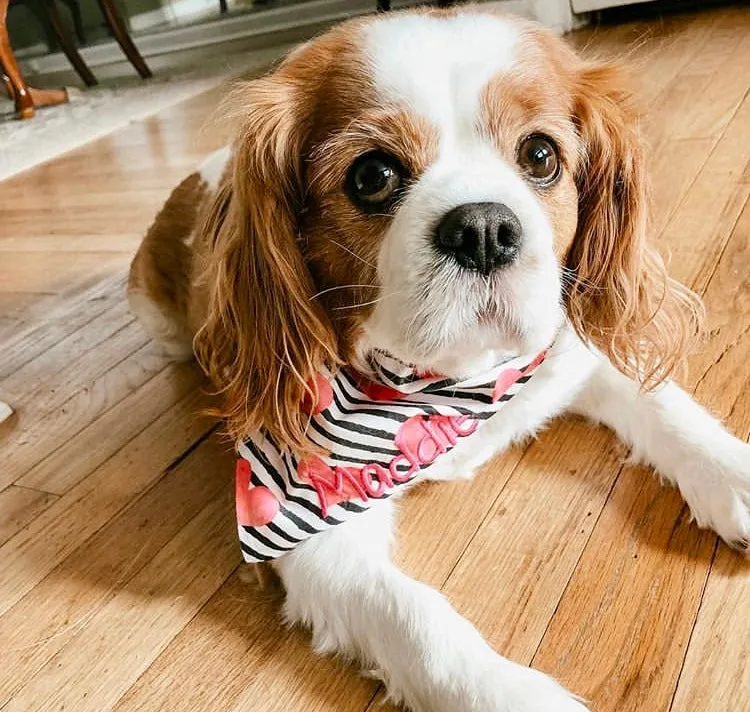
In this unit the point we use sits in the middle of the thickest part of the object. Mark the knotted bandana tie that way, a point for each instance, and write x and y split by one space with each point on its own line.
381 432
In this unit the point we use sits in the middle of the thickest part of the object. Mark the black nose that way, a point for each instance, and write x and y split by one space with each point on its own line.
480 236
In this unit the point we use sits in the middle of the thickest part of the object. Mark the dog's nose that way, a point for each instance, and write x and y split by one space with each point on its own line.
480 236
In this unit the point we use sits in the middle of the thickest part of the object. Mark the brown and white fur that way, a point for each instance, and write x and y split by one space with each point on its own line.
266 265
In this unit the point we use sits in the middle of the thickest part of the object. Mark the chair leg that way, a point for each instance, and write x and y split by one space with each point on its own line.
68 46
120 31
9 89
223 7
39 10
48 97
75 12
12 77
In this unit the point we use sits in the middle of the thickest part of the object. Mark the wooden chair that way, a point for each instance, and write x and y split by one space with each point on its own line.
38 8
56 30
120 32
27 99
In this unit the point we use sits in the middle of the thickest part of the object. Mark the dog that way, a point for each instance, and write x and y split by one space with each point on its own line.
449 189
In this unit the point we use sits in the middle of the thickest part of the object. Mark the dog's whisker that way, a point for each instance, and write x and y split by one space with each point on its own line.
343 286
352 253
365 304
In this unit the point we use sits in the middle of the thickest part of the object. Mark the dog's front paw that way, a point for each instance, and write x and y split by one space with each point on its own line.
718 493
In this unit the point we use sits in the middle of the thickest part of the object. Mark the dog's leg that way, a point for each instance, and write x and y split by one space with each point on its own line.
343 586
683 442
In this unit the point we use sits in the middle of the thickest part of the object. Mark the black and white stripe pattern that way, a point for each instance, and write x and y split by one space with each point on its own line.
357 430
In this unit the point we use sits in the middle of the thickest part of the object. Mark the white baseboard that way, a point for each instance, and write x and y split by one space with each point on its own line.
173 11
259 30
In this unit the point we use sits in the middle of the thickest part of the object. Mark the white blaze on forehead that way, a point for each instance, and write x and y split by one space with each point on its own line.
439 66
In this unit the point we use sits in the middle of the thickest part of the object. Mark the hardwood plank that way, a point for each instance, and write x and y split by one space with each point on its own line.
30 555
22 384
674 168
61 604
46 242
709 71
721 365
19 506
680 155
237 654
50 320
119 642
430 553
510 578
716 676
715 670
696 235
13 304
52 271
92 383
46 390
715 79
629 609
674 64
48 430
143 386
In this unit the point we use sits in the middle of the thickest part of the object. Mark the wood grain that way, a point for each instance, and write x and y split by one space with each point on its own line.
234 644
120 641
77 586
50 318
141 384
61 528
18 507
49 435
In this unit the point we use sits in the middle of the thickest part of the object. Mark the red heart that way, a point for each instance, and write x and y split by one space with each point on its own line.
504 381
376 391
256 506
325 397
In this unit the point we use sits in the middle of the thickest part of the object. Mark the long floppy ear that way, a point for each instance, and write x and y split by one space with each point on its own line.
621 299
264 338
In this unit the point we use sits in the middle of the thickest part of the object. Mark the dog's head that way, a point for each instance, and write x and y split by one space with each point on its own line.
450 187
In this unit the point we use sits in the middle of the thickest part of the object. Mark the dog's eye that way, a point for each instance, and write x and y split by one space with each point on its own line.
538 157
374 180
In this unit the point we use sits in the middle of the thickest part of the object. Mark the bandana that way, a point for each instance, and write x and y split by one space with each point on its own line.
380 432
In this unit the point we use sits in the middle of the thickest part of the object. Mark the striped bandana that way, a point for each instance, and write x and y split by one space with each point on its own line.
381 432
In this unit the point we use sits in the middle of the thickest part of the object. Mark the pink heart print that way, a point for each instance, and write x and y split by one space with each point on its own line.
504 381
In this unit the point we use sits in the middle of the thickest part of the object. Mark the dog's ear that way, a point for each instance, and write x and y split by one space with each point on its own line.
621 299
264 338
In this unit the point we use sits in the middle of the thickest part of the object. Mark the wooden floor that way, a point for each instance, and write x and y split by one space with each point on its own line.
120 579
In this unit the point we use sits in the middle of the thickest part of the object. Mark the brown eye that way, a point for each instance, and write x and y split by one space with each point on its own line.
374 180
538 157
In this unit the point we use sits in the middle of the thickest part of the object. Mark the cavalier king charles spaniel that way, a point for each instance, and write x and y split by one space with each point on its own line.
451 189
